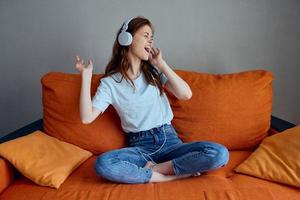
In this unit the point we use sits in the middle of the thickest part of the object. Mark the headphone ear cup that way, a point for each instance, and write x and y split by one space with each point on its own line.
125 38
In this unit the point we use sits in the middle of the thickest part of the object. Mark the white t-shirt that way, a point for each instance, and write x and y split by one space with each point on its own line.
139 110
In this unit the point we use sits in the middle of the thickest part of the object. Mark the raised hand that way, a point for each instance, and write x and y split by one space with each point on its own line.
155 56
80 65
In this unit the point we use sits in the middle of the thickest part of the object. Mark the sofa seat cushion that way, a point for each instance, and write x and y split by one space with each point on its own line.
219 184
276 190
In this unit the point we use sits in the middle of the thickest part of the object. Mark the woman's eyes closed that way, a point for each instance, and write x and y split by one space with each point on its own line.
151 39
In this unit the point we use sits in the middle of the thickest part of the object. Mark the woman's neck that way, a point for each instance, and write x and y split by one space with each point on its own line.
135 70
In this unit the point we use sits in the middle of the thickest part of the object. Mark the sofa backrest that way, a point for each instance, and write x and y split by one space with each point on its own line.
61 116
231 109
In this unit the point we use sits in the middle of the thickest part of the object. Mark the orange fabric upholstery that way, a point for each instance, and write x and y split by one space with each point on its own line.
222 184
231 109
43 159
276 158
272 131
223 109
7 174
61 117
233 120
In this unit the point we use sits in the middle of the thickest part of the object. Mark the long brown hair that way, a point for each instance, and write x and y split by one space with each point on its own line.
119 62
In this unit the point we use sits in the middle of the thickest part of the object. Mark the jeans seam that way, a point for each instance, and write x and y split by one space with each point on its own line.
142 154
165 139
148 176
195 155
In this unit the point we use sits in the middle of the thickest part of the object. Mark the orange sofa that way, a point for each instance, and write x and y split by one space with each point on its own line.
232 109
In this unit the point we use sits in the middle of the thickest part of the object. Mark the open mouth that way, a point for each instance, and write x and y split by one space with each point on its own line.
147 49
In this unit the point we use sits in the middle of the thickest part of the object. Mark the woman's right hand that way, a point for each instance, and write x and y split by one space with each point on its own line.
81 67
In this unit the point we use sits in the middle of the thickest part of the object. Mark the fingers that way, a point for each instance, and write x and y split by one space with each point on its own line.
150 56
77 58
155 51
158 51
81 61
152 51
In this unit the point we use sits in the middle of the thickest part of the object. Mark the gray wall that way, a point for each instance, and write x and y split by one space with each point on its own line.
215 36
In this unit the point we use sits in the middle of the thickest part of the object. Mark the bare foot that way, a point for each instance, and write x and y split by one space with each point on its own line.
197 174
165 168
157 177
149 165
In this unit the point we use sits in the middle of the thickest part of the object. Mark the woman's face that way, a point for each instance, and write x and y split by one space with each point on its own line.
142 42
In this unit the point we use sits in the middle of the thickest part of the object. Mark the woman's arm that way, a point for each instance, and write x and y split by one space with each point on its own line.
87 112
175 84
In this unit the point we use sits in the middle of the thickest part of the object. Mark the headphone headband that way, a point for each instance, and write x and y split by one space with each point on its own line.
125 25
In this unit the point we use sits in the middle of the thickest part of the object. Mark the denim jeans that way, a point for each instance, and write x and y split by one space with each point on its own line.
159 145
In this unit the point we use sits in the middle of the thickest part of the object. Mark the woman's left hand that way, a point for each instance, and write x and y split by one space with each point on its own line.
155 57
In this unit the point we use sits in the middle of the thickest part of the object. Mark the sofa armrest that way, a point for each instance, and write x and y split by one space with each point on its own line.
280 125
7 173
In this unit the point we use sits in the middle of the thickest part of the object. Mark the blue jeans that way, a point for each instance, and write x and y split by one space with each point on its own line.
159 145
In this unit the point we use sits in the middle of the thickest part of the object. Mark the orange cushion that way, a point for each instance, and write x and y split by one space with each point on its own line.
61 117
43 159
276 159
231 109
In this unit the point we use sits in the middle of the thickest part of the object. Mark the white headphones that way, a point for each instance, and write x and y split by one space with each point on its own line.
125 38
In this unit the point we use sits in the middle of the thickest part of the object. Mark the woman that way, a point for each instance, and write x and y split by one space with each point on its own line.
134 83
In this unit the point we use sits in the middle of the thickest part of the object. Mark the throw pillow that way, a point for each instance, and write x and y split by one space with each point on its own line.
276 159
43 159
